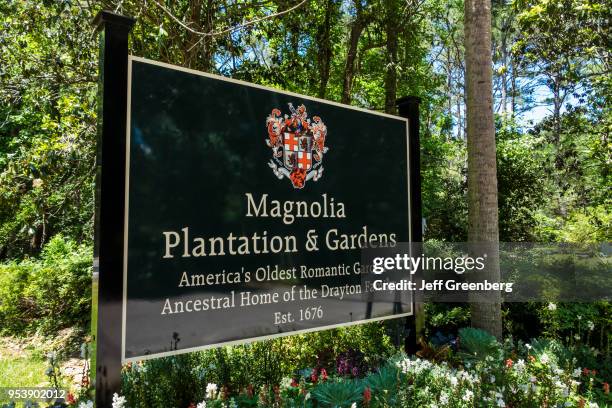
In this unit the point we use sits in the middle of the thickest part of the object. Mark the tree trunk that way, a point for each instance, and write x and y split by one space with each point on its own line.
556 139
391 29
460 124
351 55
191 50
482 173
209 42
325 49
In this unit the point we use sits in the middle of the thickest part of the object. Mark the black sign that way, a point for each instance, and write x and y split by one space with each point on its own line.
247 208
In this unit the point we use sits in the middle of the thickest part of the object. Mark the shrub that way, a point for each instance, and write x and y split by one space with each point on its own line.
14 308
180 380
321 349
47 294
166 382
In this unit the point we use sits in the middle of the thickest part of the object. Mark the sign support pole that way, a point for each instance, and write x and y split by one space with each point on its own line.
110 199
408 107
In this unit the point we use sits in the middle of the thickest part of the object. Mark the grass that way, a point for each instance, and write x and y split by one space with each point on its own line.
22 371
22 365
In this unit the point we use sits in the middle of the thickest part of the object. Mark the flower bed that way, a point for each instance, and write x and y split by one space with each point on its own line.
540 374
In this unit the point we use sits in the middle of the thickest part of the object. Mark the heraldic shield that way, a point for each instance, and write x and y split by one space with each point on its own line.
298 145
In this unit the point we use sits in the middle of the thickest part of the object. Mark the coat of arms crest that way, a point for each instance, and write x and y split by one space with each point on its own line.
298 145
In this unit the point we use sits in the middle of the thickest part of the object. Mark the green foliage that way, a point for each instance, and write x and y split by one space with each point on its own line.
321 349
476 345
47 130
521 182
165 382
177 381
48 96
554 176
48 294
338 394
446 317
384 385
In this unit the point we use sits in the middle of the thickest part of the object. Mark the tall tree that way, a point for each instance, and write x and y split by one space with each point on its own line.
324 43
356 28
482 169
563 44
391 24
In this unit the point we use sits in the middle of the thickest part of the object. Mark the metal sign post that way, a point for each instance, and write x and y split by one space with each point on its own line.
110 198
408 107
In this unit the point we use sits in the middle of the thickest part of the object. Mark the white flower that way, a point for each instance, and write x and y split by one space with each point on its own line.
201 404
520 365
552 307
417 366
354 405
492 379
565 392
468 395
88 404
501 403
454 381
577 336
544 358
528 346
443 398
532 379
590 325
118 402
579 317
211 390
285 382
593 405
576 373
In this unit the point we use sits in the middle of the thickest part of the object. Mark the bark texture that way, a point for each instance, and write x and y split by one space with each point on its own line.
482 169
349 70
392 35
